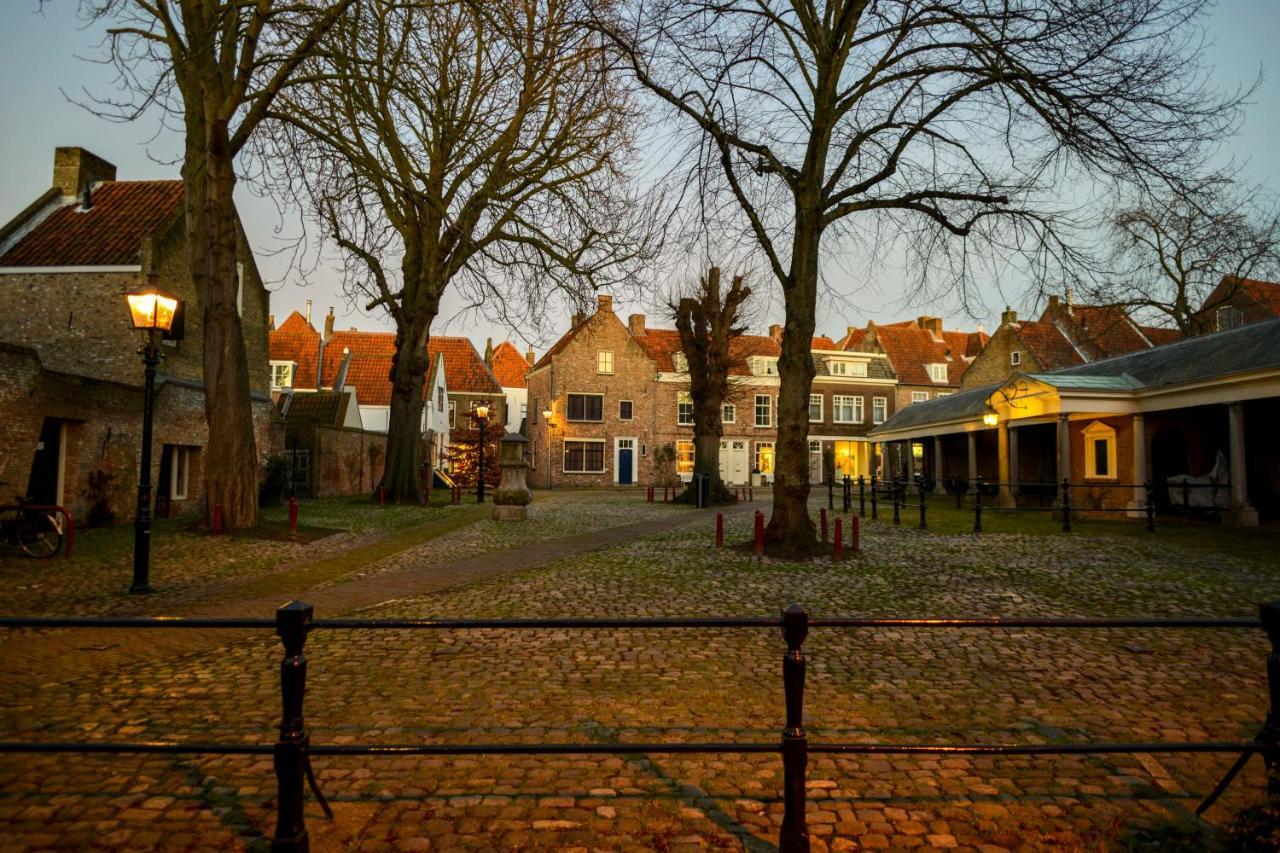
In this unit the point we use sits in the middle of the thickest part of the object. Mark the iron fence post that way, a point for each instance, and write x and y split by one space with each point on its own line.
1270 614
292 623
862 495
845 493
831 491
1150 508
1066 506
924 524
977 506
874 487
794 837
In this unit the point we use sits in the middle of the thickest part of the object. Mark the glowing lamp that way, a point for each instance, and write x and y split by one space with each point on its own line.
482 411
151 308
547 415
990 418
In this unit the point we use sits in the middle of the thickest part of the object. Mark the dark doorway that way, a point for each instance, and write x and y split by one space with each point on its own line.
46 467
1169 456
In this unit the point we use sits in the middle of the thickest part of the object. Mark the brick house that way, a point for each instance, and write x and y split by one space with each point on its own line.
71 395
1235 302
852 392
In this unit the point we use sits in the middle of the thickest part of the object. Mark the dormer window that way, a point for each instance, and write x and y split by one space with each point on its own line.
847 368
282 374
763 366
680 362
938 372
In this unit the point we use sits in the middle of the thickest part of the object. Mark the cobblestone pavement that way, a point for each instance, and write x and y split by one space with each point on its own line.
926 686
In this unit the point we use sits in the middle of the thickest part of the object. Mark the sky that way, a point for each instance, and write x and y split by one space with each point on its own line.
47 55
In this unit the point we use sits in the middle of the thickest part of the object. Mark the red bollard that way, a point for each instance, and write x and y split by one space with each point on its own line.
217 519
855 533
822 514
839 545
719 529
648 494
382 496
759 533
293 515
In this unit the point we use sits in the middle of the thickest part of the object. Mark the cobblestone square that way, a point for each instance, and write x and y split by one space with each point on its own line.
928 686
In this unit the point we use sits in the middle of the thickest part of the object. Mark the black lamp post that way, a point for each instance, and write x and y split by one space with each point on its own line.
549 417
152 311
482 421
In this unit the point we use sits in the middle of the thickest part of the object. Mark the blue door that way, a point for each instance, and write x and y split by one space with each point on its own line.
625 453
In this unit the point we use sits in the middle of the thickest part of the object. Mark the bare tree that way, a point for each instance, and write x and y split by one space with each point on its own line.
215 66
1171 251
477 145
949 123
709 326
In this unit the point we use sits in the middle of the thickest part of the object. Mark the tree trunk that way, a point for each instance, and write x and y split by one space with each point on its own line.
401 478
231 458
790 529
706 455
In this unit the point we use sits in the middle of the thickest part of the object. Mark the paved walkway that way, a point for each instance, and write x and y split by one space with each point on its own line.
61 655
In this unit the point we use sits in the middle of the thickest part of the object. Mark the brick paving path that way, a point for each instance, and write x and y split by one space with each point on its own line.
894 685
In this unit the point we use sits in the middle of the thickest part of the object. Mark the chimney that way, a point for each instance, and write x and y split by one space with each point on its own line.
328 324
528 356
340 381
1009 317
271 322
488 354
308 314
775 332
932 325
74 169
604 303
635 324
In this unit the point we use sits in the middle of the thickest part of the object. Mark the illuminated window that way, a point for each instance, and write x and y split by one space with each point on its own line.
764 410
684 457
282 374
764 457
1099 451
604 362
815 408
684 409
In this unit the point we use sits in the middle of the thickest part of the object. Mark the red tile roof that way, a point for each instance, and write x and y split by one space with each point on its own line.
1049 347
910 348
508 365
110 233
296 340
1159 335
1108 329
824 343
853 340
662 344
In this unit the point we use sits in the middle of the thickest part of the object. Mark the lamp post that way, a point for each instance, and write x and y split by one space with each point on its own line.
549 417
152 311
482 421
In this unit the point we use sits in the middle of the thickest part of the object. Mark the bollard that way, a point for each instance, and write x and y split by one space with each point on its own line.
977 506
855 533
924 524
292 623
794 836
822 516
759 533
862 495
293 515
874 488
719 529
1150 508
382 496
837 552
1066 506
217 519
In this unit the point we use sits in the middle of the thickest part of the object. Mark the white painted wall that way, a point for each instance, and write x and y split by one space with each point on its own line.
517 401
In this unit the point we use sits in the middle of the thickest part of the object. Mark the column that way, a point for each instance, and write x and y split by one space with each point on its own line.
1013 462
1004 497
973 458
938 488
1064 449
1241 514
1137 506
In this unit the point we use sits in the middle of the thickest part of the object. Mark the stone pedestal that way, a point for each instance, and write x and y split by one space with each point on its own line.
512 497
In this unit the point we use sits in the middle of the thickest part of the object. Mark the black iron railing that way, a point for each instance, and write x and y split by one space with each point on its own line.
293 749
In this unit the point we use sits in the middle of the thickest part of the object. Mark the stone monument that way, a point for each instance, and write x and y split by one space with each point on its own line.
512 497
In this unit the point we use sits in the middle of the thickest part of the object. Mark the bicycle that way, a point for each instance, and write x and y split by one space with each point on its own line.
31 531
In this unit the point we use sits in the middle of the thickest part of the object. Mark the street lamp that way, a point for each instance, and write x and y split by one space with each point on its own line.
990 418
549 417
482 418
152 311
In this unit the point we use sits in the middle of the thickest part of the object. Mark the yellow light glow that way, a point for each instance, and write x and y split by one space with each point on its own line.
548 414
482 411
151 308
991 419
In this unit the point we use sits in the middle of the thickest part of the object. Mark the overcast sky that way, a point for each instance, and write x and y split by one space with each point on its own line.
45 53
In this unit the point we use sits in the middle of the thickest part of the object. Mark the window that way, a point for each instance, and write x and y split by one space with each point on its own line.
764 457
938 372
1015 358
859 410
624 410
453 414
299 469
842 409
684 457
586 407
919 396
728 413
847 368
815 408
762 366
604 361
879 409
282 374
684 409
1229 317
440 399
584 457
764 410
179 472
1099 451
680 363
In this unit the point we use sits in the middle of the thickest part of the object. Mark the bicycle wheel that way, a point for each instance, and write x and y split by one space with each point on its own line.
38 535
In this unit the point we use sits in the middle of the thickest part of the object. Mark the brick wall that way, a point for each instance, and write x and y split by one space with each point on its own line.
346 461
992 364
1084 496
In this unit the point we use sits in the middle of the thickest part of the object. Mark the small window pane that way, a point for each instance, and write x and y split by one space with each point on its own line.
624 410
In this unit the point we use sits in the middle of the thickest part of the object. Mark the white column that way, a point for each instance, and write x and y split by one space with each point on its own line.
1003 497
1064 449
1241 514
1138 505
